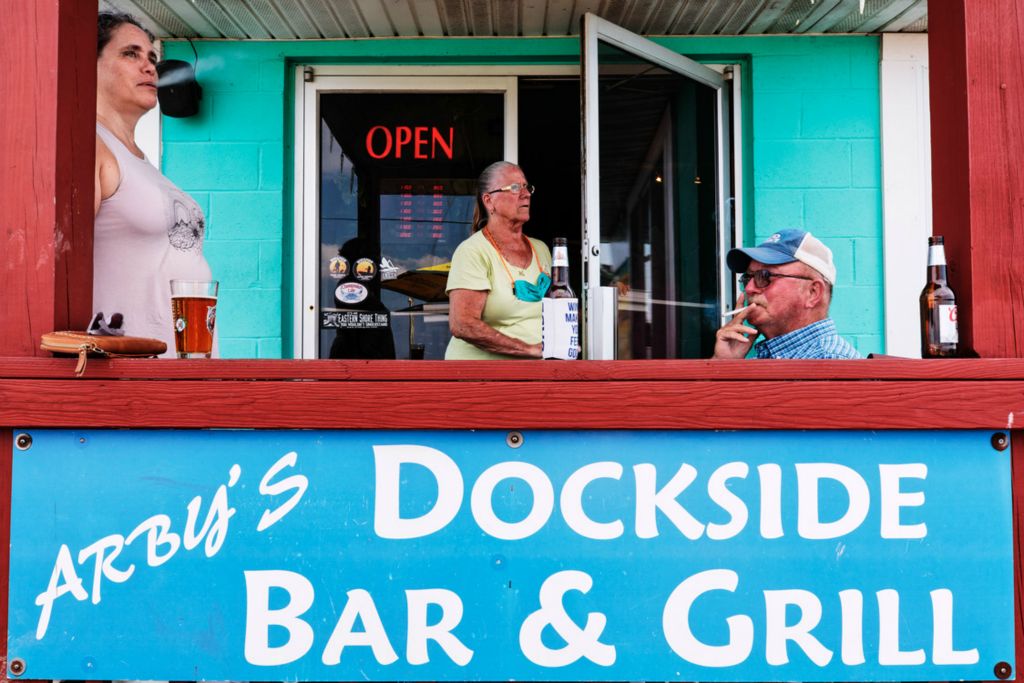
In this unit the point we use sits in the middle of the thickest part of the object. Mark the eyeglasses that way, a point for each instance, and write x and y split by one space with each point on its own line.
515 188
763 278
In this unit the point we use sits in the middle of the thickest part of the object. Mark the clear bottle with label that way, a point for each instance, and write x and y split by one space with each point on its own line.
560 309
939 335
560 288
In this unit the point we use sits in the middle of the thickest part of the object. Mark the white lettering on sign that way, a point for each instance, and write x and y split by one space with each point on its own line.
780 633
387 522
681 502
162 543
655 501
809 522
579 642
296 483
260 618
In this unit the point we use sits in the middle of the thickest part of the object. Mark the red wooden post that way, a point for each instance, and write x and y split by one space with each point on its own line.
47 152
977 129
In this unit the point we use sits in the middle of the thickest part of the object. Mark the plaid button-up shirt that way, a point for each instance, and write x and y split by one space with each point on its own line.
817 340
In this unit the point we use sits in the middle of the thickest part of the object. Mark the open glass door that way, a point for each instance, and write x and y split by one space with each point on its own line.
655 209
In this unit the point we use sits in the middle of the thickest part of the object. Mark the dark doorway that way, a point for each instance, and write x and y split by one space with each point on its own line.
549 154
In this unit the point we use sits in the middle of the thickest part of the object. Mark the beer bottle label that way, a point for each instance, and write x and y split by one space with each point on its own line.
948 333
936 255
560 257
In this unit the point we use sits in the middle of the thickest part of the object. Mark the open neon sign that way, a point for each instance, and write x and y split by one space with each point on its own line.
421 142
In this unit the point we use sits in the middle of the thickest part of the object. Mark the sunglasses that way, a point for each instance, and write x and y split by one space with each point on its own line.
515 188
763 278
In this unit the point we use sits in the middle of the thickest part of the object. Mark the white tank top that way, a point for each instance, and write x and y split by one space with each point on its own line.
147 233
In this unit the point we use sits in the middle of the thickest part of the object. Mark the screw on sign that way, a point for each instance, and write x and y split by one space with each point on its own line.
17 667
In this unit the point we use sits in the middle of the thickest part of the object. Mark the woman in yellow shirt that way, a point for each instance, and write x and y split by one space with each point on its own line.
498 275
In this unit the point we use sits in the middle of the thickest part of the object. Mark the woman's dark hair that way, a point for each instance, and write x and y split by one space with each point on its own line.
483 185
108 21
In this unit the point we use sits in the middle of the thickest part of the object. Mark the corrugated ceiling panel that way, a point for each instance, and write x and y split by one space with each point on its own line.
166 22
878 13
311 19
837 15
580 7
689 17
614 10
427 17
769 16
196 24
131 8
791 20
402 17
480 21
377 21
227 26
534 17
715 18
919 26
637 14
351 21
453 15
663 17
819 10
295 13
272 19
506 18
743 17
245 19
323 18
910 17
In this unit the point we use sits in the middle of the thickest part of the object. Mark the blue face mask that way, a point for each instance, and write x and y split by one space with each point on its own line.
527 291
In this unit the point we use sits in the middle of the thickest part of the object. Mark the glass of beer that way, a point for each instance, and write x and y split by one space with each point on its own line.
194 312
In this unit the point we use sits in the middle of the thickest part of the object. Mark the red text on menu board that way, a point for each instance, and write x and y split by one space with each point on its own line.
418 209
421 142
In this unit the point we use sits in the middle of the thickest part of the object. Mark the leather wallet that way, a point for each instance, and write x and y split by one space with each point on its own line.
83 345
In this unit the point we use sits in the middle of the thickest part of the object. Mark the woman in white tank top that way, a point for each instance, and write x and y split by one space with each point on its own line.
147 230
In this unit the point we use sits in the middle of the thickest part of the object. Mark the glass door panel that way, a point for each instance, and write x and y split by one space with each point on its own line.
395 173
654 192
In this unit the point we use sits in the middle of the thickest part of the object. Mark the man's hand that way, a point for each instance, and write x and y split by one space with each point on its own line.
734 339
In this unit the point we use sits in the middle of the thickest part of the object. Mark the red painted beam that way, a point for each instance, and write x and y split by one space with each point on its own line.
47 165
1002 369
975 54
277 404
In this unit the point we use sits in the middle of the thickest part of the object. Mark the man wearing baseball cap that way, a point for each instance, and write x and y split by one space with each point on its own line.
787 288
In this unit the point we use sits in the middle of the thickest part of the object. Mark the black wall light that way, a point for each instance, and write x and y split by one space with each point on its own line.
177 89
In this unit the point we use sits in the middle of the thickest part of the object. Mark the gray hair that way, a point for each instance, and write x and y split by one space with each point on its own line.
484 185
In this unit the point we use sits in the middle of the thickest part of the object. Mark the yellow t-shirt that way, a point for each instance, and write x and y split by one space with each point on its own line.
477 265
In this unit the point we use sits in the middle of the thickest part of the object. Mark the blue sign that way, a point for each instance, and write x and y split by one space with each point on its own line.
551 555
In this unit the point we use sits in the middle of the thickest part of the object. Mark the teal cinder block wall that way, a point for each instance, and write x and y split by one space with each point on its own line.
811 151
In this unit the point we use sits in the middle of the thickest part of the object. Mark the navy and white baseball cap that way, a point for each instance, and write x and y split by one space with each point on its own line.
786 246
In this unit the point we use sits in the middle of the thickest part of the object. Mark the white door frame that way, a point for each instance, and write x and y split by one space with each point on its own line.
311 83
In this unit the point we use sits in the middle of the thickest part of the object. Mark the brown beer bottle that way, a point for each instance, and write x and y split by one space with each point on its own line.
939 335
560 288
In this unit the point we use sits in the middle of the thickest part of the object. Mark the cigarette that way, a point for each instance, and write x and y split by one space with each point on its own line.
736 310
